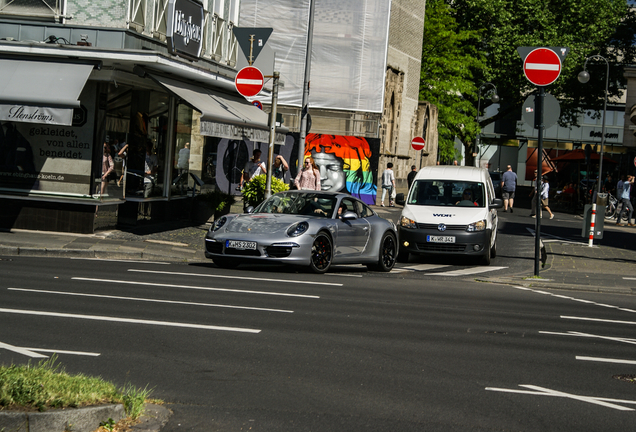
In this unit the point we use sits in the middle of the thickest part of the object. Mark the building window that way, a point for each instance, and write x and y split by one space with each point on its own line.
32 8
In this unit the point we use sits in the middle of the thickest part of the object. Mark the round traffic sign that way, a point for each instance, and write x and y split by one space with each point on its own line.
249 81
418 143
257 104
542 66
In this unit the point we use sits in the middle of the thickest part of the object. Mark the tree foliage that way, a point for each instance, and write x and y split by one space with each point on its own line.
498 27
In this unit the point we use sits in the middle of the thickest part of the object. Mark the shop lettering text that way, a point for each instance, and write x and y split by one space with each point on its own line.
19 113
48 131
594 134
186 29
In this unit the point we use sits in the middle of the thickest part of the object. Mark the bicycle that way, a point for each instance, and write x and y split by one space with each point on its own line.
614 208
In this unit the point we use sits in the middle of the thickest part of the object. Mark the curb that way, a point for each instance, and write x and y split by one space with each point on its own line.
83 253
154 418
76 419
548 284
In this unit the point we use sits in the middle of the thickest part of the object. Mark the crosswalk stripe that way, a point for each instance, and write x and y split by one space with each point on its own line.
424 267
467 271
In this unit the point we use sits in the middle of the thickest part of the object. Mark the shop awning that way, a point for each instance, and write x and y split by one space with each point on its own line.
221 115
40 91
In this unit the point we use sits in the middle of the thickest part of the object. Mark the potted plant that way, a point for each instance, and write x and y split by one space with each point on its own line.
254 190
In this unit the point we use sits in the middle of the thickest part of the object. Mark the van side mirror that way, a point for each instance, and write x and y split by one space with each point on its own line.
496 203
399 199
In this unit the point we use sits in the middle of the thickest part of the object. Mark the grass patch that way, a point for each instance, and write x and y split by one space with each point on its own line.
46 385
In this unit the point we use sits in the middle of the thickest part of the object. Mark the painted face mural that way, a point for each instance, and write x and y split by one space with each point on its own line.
344 164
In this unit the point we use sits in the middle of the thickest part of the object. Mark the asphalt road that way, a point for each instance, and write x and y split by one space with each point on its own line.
270 349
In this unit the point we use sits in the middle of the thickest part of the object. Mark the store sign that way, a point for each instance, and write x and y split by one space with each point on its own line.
223 130
185 28
33 114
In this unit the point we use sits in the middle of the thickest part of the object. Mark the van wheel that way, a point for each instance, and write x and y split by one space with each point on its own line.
493 249
485 260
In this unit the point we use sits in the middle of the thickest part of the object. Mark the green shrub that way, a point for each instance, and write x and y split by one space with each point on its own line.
218 200
254 190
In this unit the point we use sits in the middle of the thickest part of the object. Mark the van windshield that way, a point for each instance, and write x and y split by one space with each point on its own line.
447 193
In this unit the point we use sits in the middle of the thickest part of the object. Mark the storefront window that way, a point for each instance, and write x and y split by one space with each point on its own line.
184 149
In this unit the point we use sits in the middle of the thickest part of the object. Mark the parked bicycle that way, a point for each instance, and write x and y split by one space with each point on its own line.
613 208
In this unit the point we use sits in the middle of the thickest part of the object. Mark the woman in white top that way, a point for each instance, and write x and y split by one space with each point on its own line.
308 177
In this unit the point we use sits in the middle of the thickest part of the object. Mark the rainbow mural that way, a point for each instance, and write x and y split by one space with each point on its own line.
344 162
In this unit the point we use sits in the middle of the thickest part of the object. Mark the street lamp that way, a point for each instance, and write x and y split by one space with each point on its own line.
494 99
583 78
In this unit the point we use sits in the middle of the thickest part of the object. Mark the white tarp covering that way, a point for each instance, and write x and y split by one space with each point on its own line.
349 49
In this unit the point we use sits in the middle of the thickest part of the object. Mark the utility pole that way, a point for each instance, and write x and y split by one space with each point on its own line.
272 135
305 101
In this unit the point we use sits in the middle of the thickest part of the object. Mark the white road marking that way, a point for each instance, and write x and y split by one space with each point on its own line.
629 278
588 335
541 391
56 351
196 287
128 320
605 360
257 279
150 300
424 267
24 351
343 274
598 320
121 260
574 299
467 271
556 238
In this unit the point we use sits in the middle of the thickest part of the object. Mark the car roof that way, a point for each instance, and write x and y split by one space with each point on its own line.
452 172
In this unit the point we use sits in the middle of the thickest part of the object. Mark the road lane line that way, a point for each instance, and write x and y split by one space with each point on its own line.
150 300
578 334
629 278
56 351
24 351
605 360
195 287
574 299
424 267
128 320
598 320
236 277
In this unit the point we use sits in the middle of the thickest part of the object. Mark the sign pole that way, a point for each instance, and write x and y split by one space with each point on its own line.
305 102
538 211
272 136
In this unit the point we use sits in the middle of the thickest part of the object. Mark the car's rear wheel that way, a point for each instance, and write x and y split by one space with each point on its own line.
387 254
227 263
321 253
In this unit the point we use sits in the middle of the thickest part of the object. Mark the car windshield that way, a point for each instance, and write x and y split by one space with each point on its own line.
447 193
308 204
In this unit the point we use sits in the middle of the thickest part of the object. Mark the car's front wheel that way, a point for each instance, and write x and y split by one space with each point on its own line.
321 253
387 254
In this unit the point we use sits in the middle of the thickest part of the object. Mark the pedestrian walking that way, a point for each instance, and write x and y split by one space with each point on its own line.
388 184
411 177
508 187
625 192
545 192
253 167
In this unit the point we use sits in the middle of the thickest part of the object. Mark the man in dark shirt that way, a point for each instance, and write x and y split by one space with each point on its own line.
411 176
508 187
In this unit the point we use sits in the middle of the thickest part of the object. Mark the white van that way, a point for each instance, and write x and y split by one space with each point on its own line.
450 210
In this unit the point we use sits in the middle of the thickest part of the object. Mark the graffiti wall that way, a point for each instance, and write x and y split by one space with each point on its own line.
346 163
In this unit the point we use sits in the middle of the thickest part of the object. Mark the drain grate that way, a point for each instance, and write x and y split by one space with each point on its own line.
628 378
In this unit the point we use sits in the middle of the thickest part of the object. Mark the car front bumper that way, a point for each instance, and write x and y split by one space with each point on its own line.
415 241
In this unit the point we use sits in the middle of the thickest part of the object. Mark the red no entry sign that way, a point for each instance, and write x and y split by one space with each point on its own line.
542 66
418 143
249 81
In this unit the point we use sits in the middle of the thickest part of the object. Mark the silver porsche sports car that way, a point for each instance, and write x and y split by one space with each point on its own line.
305 228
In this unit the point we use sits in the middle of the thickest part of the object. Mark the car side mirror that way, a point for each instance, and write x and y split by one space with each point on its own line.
399 199
250 209
496 203
348 215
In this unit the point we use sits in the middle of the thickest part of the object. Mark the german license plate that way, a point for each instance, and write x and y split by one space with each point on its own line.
440 239
240 244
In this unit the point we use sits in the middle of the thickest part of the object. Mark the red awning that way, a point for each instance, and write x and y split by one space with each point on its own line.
579 155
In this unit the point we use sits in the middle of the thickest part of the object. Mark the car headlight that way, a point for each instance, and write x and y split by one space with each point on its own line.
218 224
407 223
477 226
297 229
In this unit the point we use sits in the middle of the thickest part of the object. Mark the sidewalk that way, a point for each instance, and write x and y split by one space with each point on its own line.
570 265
